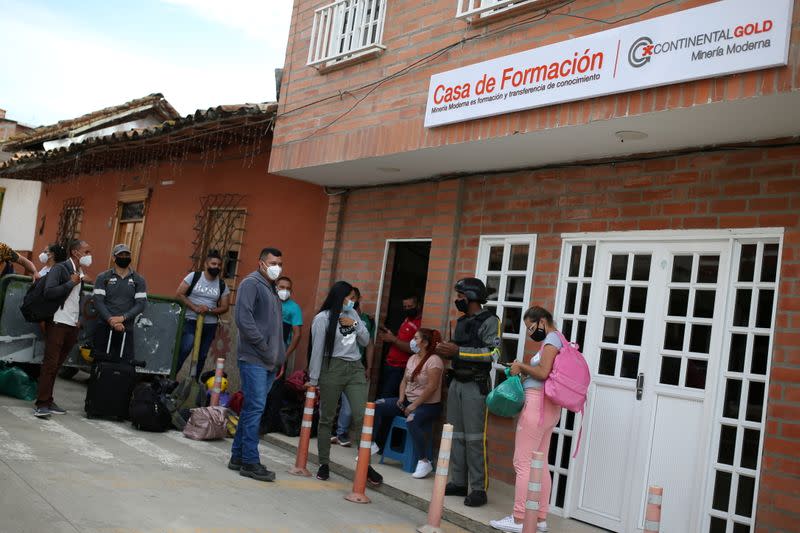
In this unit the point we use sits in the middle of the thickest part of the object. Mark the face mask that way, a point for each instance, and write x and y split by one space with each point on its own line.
122 262
348 304
274 272
86 261
414 346
411 313
43 257
538 334
283 294
462 305
214 272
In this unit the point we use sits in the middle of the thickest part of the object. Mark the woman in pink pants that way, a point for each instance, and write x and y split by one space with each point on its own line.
531 435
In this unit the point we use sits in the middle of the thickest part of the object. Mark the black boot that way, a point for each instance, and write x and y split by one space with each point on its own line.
476 498
257 471
454 490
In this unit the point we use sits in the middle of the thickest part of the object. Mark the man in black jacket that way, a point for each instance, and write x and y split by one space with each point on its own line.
63 284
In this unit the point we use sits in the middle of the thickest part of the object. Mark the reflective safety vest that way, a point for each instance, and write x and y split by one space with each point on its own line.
473 353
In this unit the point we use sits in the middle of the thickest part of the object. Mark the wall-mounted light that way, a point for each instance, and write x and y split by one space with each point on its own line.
630 135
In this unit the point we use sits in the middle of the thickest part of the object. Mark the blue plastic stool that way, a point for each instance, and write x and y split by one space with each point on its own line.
408 459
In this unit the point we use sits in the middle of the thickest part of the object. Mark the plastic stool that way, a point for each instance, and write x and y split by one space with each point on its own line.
408 459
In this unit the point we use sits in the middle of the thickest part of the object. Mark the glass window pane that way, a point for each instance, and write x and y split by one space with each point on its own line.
760 355
611 330
769 262
566 328
569 301
741 528
744 497
682 268
619 267
515 288
519 257
704 304
637 301
696 370
608 362
630 365
678 302
509 350
570 423
718 525
579 338
493 286
496 258
750 448
764 310
566 452
616 295
575 261
512 317
755 402
708 269
727 445
747 262
641 267
132 211
741 309
561 494
588 267
633 332
733 393
551 453
722 491
738 350
673 336
670 370
586 291
700 341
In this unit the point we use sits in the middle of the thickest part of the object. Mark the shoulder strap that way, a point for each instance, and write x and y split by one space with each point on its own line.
221 289
195 279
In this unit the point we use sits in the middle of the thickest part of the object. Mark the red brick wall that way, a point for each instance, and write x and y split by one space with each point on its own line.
390 119
754 187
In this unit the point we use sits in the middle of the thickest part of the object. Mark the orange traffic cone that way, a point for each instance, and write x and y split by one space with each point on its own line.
301 462
652 517
532 506
359 494
440 481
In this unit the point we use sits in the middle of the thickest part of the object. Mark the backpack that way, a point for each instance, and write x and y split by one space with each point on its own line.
568 382
35 307
196 277
148 408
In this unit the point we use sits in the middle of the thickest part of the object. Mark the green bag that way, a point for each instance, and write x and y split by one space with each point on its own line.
507 398
16 383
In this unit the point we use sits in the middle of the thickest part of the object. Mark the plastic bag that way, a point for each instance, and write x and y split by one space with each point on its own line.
16 383
206 423
507 398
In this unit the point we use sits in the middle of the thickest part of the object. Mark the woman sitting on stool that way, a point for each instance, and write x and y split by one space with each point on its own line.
420 398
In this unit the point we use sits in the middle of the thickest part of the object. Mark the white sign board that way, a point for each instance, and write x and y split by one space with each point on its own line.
713 40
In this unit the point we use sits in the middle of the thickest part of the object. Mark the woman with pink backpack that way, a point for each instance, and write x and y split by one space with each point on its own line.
538 417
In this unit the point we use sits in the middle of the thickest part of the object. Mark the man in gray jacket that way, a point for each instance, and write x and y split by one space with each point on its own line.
260 353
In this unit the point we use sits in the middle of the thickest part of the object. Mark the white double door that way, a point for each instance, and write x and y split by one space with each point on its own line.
653 342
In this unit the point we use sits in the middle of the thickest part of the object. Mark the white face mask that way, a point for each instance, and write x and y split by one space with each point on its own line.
86 261
273 271
284 294
43 257
414 346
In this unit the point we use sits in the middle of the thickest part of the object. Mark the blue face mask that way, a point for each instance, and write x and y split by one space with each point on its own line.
348 304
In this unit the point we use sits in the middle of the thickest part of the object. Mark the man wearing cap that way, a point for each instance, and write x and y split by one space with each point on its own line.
120 294
473 348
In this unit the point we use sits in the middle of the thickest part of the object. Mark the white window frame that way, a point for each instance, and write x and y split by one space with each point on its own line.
343 23
482 272
480 9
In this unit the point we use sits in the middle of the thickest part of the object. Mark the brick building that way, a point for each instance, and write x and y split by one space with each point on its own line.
632 166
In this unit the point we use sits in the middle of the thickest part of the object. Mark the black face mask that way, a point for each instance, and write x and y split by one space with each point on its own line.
122 262
538 334
410 313
462 305
214 272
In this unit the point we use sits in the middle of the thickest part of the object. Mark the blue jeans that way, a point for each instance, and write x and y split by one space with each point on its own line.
187 343
391 378
345 418
420 425
256 382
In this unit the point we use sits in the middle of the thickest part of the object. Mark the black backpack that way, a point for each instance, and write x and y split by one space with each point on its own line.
35 307
196 277
149 409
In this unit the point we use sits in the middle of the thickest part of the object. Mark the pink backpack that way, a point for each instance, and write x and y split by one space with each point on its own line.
568 382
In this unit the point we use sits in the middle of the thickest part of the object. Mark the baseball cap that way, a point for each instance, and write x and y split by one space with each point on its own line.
120 248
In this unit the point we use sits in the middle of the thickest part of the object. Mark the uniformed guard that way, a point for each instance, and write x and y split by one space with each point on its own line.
473 348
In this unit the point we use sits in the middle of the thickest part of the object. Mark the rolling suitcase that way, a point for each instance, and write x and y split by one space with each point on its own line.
110 385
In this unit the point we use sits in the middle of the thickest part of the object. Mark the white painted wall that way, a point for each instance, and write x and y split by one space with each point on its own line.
18 214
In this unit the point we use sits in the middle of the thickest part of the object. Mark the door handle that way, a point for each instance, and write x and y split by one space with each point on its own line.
639 386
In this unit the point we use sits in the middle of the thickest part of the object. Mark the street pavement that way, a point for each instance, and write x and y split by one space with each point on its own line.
70 474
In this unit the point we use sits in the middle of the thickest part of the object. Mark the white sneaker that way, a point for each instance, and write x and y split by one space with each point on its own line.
542 526
424 468
374 449
507 524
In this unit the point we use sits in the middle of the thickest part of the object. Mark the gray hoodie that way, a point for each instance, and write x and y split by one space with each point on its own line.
260 323
344 347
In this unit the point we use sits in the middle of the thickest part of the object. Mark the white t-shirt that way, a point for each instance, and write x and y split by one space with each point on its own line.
69 313
204 293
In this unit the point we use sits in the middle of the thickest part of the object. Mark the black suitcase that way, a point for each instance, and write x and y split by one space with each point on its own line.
110 385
